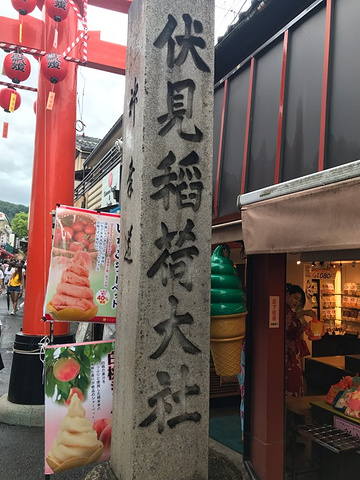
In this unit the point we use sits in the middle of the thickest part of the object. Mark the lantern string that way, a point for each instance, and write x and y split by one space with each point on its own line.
21 18
81 102
56 36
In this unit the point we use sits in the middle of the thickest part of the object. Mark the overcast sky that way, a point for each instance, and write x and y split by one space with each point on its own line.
16 152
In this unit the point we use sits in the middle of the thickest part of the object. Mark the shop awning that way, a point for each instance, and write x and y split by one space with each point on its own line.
317 219
8 254
226 232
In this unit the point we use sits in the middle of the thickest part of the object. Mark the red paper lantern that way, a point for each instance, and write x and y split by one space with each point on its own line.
57 9
5 97
53 67
17 67
24 6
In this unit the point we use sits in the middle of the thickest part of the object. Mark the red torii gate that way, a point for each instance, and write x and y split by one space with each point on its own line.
53 172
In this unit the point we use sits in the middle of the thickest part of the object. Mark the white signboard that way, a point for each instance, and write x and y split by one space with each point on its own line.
110 183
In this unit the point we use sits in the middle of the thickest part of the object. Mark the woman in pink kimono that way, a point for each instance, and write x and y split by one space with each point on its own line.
295 345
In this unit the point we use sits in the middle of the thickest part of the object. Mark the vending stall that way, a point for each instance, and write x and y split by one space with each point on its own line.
316 249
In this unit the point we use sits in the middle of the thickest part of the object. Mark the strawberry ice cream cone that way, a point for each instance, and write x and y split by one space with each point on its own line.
73 299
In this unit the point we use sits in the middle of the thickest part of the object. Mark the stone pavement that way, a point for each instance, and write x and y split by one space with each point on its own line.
22 447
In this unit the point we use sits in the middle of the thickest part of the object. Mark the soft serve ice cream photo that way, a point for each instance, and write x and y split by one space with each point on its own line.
76 443
84 266
78 404
74 299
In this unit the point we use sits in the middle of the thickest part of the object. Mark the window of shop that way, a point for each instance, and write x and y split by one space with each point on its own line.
322 429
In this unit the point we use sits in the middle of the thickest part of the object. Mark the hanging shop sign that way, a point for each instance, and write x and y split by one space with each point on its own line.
321 272
84 266
110 187
79 382
323 275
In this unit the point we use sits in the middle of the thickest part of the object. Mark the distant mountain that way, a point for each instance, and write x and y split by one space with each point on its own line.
11 209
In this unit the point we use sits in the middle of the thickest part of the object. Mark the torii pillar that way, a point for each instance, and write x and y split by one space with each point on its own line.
53 176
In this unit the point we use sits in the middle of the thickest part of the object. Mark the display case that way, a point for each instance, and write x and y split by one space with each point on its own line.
332 290
341 310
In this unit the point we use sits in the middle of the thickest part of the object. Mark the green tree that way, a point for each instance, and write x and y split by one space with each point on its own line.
19 225
11 209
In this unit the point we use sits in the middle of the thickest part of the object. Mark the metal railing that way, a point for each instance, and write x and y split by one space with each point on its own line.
109 161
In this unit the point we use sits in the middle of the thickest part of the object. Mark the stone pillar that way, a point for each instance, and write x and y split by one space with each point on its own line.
161 393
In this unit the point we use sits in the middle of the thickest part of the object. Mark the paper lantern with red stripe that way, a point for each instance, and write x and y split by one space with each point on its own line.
57 9
17 67
53 67
24 6
6 100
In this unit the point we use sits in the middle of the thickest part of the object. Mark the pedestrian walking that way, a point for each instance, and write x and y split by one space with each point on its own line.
1 280
16 286
23 264
9 270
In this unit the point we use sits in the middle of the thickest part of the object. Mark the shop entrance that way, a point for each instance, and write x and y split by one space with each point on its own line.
322 429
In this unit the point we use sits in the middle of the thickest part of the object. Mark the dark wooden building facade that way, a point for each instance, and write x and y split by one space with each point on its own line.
286 168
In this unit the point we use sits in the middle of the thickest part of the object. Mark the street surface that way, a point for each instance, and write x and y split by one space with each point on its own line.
22 448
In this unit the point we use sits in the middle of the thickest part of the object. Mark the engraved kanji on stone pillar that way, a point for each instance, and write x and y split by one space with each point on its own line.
161 392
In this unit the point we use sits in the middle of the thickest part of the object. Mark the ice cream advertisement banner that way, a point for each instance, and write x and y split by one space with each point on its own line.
78 404
84 266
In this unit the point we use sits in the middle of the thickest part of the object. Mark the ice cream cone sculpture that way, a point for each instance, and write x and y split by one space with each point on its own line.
315 329
73 299
228 313
76 444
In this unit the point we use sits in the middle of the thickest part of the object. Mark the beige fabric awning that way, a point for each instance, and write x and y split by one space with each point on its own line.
321 218
226 232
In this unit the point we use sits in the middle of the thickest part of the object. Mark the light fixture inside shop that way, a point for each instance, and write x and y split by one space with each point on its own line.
344 262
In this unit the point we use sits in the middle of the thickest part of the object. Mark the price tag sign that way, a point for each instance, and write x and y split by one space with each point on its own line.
347 426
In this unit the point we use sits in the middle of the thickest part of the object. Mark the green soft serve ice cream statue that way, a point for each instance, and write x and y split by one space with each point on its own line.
228 313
